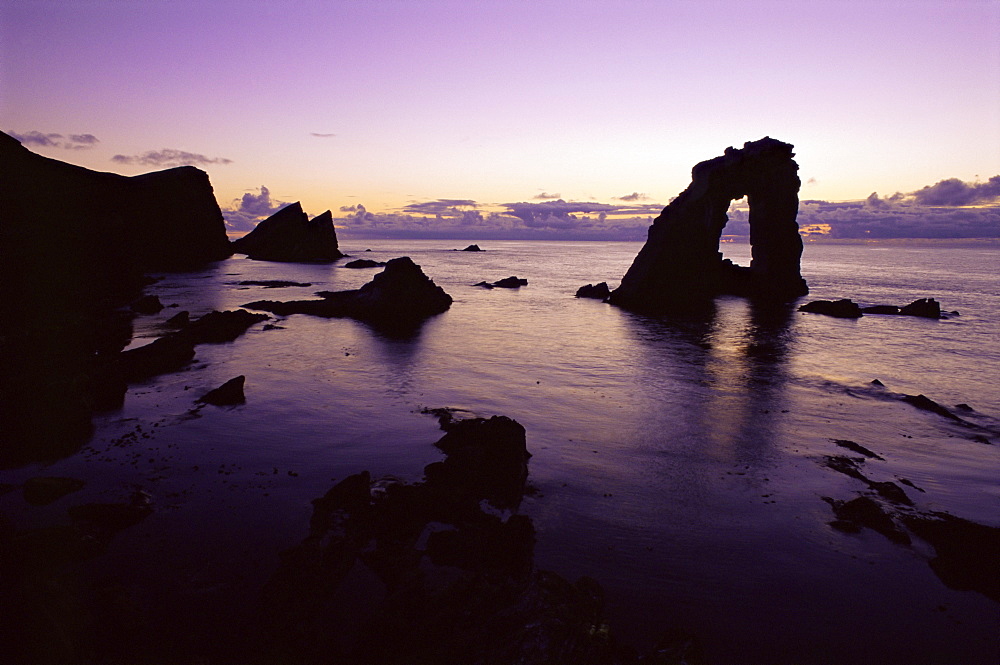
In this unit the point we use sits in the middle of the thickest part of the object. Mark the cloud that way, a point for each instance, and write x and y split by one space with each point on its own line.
169 157
954 192
544 196
321 136
634 196
439 207
245 212
52 140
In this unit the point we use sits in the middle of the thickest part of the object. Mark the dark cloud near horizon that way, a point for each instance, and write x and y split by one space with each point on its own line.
439 207
544 197
321 136
53 140
954 192
634 196
168 157
250 209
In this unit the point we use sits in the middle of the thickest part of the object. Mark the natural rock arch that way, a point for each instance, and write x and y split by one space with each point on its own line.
681 262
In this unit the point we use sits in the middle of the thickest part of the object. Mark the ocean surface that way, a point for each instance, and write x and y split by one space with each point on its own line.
677 460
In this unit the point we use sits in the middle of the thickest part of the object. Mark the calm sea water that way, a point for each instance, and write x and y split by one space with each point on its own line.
677 460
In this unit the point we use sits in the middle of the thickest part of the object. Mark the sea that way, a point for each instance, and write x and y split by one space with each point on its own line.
678 460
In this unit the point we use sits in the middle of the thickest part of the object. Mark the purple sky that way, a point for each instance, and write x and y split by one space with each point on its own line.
389 104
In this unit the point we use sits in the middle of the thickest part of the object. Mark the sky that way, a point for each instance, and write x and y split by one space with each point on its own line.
420 114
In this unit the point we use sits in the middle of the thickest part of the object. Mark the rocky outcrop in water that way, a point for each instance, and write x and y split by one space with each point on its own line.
512 282
229 393
841 309
596 291
681 264
457 582
75 244
400 297
290 236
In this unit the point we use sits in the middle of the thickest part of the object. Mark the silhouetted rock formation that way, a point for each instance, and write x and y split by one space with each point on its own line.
172 352
681 263
75 243
229 393
470 595
841 309
289 235
364 263
597 291
472 248
511 282
927 308
401 296
272 283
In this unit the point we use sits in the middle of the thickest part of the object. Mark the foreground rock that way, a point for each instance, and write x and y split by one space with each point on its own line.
596 291
174 351
289 235
681 263
469 595
75 244
399 297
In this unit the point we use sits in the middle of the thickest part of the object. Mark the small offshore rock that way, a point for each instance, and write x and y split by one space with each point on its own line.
841 309
229 393
928 308
364 263
472 248
927 404
511 282
596 291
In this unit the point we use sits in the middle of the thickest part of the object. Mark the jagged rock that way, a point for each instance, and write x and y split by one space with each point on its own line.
927 404
164 354
147 305
472 248
217 327
43 491
966 552
179 320
289 235
681 263
400 296
858 448
511 282
924 307
229 393
842 309
597 291
364 263
174 351
487 459
865 512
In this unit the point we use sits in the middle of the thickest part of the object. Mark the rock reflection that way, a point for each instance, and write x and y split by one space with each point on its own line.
737 352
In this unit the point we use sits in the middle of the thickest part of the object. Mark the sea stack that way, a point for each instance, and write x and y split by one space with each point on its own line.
681 262
290 236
